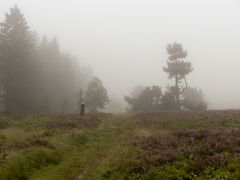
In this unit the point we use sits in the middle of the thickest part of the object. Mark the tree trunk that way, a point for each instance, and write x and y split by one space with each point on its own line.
177 92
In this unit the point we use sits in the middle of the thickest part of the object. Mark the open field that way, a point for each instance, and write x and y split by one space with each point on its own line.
165 145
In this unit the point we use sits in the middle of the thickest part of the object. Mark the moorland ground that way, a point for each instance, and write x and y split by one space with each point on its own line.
161 145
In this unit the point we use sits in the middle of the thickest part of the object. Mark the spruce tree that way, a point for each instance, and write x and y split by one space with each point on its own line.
17 69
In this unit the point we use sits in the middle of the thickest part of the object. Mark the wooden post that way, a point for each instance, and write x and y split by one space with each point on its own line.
82 110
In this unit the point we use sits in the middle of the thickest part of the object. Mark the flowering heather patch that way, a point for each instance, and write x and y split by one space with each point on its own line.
188 119
163 145
198 148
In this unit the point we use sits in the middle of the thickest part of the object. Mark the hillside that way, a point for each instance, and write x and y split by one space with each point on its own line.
164 145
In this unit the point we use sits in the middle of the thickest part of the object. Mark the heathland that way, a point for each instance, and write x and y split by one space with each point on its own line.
163 145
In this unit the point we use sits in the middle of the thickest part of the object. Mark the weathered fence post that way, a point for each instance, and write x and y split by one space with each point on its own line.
82 110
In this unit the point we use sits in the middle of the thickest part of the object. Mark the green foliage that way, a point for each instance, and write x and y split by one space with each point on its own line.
4 122
177 68
200 154
169 145
49 132
193 99
17 65
96 95
79 139
169 99
2 138
35 76
23 166
125 163
149 99
176 52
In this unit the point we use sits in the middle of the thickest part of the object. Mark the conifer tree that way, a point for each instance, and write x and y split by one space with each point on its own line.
177 69
17 69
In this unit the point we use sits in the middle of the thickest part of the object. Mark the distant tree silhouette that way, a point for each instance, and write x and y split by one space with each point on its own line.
149 99
193 99
60 77
96 95
35 76
177 68
168 101
17 67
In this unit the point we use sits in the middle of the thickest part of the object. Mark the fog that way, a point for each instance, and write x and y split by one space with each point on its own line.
124 41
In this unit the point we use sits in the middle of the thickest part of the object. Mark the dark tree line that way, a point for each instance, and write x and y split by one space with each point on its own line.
176 97
152 99
35 76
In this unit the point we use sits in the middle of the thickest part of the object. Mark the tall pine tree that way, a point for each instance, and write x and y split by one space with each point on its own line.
177 68
17 67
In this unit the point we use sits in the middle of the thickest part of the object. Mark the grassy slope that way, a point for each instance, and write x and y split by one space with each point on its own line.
136 146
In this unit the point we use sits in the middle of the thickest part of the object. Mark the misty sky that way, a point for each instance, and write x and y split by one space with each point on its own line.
124 40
